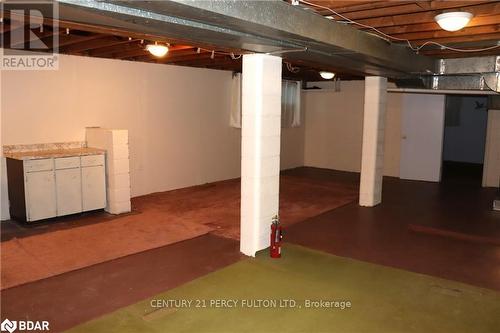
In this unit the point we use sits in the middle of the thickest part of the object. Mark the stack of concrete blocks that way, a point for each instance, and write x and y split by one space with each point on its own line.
115 142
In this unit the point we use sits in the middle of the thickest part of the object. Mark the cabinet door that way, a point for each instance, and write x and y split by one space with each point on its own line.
69 191
93 187
41 195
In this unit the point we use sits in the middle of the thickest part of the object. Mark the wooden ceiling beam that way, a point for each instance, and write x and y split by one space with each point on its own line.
141 51
34 36
452 54
180 54
106 41
111 51
195 57
428 16
136 49
171 54
461 39
201 62
65 40
433 26
432 35
408 8
349 5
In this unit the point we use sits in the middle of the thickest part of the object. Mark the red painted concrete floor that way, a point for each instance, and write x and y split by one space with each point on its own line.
378 235
381 235
72 298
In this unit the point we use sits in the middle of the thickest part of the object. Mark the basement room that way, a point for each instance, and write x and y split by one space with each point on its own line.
250 166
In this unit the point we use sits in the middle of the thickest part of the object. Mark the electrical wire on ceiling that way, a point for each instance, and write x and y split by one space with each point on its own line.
385 36
233 55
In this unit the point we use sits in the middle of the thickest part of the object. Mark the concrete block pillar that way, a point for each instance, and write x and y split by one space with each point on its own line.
260 149
372 159
115 142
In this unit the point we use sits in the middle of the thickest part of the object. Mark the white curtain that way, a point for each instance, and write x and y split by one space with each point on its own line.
290 103
235 118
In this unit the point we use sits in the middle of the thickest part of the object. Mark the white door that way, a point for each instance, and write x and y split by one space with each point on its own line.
40 189
93 187
422 133
69 191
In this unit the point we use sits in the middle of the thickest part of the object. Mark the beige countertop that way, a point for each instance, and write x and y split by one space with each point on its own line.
39 154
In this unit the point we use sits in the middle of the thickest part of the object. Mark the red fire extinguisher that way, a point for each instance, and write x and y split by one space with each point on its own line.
276 236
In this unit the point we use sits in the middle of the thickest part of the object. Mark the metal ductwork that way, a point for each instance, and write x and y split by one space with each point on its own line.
469 74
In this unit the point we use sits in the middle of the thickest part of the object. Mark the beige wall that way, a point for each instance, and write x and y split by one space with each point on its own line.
334 127
177 117
292 144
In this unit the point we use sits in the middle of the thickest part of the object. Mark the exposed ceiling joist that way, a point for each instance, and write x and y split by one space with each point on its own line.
433 26
377 9
93 44
428 16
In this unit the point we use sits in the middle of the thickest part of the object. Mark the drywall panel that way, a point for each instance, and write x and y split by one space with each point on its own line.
334 128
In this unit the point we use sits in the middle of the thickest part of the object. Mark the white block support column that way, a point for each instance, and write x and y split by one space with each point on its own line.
260 149
115 142
372 159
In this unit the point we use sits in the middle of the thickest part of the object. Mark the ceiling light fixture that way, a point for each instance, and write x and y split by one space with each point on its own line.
327 75
157 50
453 21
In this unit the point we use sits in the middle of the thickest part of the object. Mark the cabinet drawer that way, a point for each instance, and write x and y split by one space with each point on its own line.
92 160
39 165
67 162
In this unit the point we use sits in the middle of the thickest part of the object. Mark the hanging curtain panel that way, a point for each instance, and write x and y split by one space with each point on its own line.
290 104
235 117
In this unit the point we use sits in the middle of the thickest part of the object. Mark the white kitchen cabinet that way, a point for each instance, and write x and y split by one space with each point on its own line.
69 193
50 187
40 195
93 182
68 185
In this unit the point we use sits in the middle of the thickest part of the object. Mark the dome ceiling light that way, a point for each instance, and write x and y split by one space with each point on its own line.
157 50
453 21
327 75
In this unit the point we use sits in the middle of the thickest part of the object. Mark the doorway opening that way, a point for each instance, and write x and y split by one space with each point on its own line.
464 141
